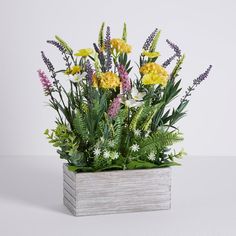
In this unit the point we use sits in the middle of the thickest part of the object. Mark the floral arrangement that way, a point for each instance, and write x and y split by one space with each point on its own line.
108 121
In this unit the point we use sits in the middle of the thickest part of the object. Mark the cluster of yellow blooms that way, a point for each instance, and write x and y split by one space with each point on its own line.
153 74
120 46
106 80
84 52
73 70
150 54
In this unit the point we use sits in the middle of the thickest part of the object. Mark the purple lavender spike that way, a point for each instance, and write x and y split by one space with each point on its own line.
175 48
202 77
89 71
107 44
168 61
149 40
56 44
47 62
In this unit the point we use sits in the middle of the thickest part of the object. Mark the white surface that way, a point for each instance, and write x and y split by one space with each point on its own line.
204 30
203 202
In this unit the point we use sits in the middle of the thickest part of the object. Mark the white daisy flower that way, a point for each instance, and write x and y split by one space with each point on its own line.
111 143
115 155
106 154
152 156
97 152
78 77
135 147
136 100
137 132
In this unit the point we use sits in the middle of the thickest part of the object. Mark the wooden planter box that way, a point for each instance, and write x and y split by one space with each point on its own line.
117 191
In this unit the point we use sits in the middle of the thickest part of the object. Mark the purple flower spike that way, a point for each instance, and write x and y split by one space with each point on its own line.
175 48
125 81
149 40
202 77
47 86
114 107
89 71
108 49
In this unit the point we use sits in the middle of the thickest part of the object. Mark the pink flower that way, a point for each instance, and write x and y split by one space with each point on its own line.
114 107
125 81
47 86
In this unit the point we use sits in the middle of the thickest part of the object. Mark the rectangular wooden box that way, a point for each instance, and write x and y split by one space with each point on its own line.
117 191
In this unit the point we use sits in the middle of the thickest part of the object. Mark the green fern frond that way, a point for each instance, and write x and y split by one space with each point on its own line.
148 120
118 126
100 36
136 117
159 140
64 44
80 126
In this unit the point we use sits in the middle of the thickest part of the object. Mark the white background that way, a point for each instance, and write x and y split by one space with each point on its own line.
204 30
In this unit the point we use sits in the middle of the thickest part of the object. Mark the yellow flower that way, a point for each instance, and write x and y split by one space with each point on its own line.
73 70
84 52
150 54
152 67
153 78
120 46
106 80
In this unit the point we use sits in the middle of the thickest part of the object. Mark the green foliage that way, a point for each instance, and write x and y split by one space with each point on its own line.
64 44
158 141
155 41
80 126
139 164
124 34
101 36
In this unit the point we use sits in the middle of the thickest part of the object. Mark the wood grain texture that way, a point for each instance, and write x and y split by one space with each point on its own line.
117 191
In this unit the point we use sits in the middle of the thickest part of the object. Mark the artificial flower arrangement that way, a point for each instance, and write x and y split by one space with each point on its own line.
108 121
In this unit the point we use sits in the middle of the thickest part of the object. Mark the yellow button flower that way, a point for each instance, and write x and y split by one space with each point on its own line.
73 70
153 67
120 46
150 54
107 80
84 52
153 78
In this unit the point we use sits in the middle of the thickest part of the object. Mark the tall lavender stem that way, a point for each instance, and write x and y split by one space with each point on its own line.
107 44
196 82
149 40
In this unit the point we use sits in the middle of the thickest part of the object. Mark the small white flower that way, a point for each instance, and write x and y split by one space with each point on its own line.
78 77
147 133
106 154
111 143
115 155
137 132
102 139
97 151
152 156
136 100
136 95
135 147
132 103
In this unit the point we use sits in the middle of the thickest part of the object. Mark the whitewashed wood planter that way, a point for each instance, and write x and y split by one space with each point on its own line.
117 191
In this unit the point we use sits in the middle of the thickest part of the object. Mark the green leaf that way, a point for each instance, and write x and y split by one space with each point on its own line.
73 168
139 164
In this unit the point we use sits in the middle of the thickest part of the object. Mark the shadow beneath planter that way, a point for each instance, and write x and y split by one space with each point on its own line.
32 181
